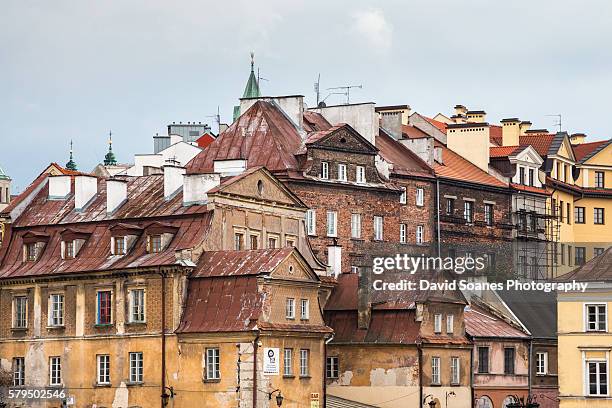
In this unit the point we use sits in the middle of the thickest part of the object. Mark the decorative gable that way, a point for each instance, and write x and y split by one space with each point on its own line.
342 138
294 267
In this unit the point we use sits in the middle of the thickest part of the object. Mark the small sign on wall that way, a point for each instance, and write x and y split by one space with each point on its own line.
314 400
271 365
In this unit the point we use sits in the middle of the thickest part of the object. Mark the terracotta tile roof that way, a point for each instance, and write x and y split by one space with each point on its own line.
440 125
411 132
236 263
504 151
386 327
263 135
529 189
495 134
585 151
455 167
405 162
481 323
314 121
598 269
541 143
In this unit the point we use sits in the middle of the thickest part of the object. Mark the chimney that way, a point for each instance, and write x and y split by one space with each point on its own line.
438 155
116 194
577 138
173 179
422 147
470 140
524 126
460 110
231 167
360 116
334 258
479 116
511 130
292 106
59 187
364 303
223 127
85 189
196 187
392 123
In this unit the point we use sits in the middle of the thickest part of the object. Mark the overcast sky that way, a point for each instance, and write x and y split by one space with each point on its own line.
75 69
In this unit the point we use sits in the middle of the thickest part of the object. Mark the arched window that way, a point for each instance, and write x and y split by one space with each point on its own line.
507 401
484 402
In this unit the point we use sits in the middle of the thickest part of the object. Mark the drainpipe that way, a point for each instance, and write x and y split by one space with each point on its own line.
472 376
438 216
163 335
420 354
529 378
255 349
325 369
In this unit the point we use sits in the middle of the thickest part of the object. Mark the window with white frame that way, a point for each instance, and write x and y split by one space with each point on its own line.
304 309
455 371
596 317
20 312
355 225
331 367
137 305
378 228
55 371
435 370
341 172
212 364
597 377
272 242
438 323
18 371
56 309
403 196
332 223
136 367
104 369
324 170
450 323
360 176
238 241
420 196
468 211
290 308
304 362
402 236
69 249
311 222
288 362
541 363
419 234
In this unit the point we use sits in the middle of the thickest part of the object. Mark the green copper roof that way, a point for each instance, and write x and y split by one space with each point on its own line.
3 175
71 165
109 158
252 87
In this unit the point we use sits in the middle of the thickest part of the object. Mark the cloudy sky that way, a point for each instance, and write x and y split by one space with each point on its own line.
75 69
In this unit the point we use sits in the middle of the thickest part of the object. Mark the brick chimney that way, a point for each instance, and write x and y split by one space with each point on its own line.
85 189
364 302
511 129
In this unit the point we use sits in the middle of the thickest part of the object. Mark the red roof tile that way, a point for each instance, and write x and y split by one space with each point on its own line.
456 167
541 143
314 121
440 125
405 162
504 151
411 132
584 149
529 189
481 323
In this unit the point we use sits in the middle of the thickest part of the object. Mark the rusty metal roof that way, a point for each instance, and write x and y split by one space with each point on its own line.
405 162
481 323
314 121
386 327
240 263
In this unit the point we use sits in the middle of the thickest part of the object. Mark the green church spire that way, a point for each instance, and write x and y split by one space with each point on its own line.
252 87
109 158
71 165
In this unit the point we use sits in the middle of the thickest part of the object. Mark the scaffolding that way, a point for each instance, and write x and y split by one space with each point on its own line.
537 232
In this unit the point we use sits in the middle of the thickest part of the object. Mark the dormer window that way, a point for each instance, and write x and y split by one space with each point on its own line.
123 237
155 244
119 247
33 245
31 251
69 251
159 236
72 241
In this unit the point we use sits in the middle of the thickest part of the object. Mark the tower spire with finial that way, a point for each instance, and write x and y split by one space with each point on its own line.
109 158
71 165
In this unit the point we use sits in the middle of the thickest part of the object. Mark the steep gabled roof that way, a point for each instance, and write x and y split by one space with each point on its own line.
405 162
482 323
537 312
598 269
314 121
505 151
456 167
585 151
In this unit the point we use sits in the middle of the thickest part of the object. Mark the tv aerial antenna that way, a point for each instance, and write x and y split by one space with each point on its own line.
217 119
559 121
345 90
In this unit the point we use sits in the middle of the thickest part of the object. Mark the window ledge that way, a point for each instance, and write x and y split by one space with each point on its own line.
136 323
134 384
455 385
211 380
106 385
19 328
56 327
305 377
288 376
435 385
102 325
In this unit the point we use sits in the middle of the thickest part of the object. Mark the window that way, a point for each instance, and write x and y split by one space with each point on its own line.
598 251
483 360
579 215
509 360
402 236
455 372
304 362
356 226
137 305
468 211
311 222
450 322
272 242
104 307
562 254
332 220
288 362
56 309
254 241
290 241
488 214
304 309
360 174
155 244
324 170
419 234
599 179
569 255
596 318
104 369
378 228
238 241
531 177
450 206
403 196
420 196
136 368
31 251
119 246
212 364
598 216
68 249
331 369
542 363
290 308
569 213
521 175
341 172
55 371
580 255
597 377
435 370
565 173
437 323
18 372
20 312
561 210
558 171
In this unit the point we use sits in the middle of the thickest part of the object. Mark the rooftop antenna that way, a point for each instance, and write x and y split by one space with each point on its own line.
217 119
317 89
347 91
259 78
559 122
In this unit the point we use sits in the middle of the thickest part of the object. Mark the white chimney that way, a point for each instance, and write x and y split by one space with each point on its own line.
196 187
291 105
229 167
116 194
85 188
360 116
59 187
334 259
173 179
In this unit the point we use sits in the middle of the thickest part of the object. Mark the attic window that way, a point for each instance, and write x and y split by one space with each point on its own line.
343 140
260 187
72 242
33 245
155 244
69 250
31 251
119 246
